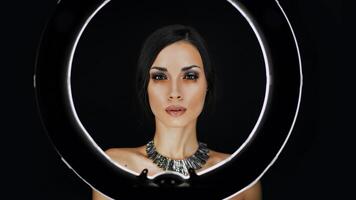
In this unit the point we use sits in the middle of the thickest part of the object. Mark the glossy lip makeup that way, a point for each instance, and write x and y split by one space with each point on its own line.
175 111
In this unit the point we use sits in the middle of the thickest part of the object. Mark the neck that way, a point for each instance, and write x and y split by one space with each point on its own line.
176 142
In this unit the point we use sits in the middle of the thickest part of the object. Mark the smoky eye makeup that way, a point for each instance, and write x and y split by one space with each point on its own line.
191 75
188 75
158 76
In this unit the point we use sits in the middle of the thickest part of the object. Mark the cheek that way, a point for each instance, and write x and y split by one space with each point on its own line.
197 98
155 97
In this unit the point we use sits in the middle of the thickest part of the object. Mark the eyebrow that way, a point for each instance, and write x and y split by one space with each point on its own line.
183 69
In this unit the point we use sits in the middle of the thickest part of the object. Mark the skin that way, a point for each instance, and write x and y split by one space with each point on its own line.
175 137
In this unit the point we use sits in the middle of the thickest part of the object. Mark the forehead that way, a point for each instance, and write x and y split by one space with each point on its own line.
178 55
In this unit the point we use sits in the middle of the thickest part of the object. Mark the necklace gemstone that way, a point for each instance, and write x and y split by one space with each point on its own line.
195 161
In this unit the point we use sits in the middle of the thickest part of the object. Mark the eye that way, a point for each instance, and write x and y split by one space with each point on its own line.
191 76
158 76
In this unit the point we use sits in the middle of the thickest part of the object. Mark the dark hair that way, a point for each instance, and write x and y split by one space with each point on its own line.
158 40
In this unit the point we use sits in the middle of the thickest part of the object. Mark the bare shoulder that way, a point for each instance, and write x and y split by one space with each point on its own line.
254 192
217 157
115 152
127 157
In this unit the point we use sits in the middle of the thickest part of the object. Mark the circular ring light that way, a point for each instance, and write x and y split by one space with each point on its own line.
79 151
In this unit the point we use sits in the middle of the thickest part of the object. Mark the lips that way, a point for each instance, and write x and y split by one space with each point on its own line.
175 110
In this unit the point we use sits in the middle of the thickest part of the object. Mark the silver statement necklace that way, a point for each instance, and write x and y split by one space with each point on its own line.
196 161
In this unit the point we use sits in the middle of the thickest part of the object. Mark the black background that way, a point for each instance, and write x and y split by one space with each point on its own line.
315 164
103 72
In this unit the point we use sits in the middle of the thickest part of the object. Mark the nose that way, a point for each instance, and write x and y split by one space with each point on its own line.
178 97
175 92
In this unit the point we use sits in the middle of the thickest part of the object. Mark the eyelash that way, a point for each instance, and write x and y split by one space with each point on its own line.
191 75
155 75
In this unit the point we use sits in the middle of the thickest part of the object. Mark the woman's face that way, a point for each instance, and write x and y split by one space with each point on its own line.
177 78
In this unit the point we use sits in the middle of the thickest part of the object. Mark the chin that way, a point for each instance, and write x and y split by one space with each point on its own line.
176 122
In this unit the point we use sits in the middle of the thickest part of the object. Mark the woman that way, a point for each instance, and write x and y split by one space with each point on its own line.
175 84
